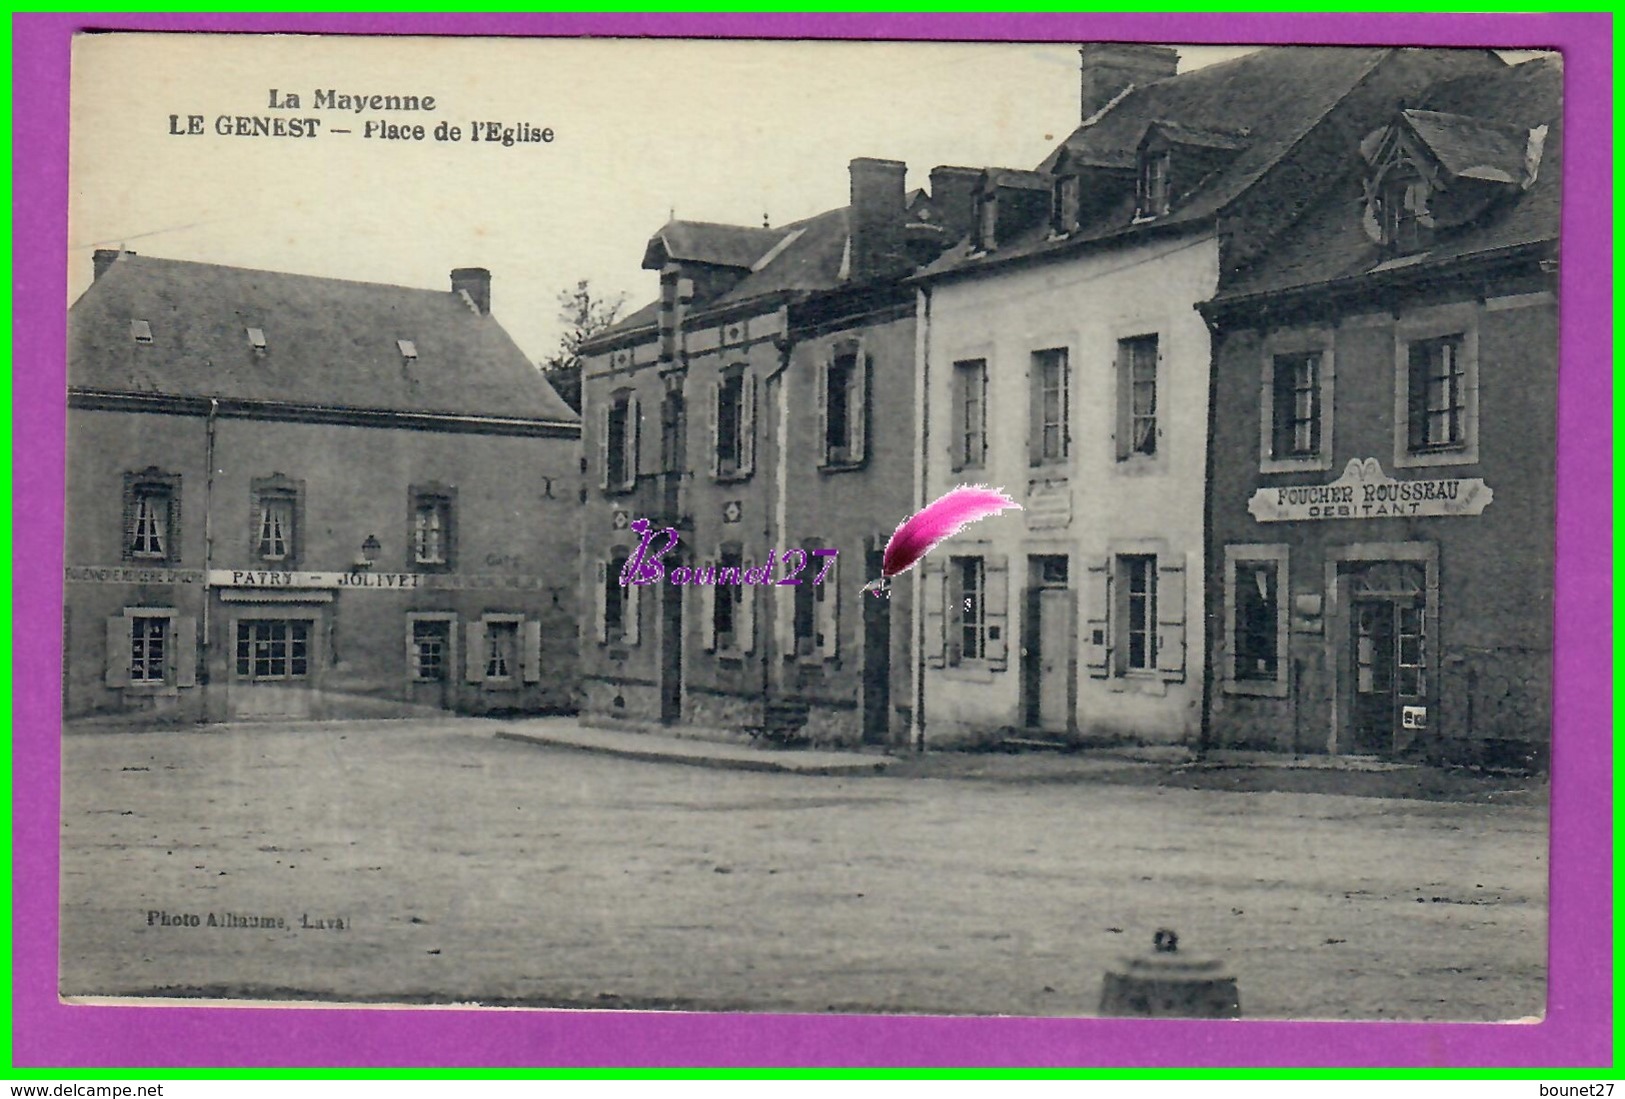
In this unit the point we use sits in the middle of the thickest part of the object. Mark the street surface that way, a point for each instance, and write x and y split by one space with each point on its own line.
420 863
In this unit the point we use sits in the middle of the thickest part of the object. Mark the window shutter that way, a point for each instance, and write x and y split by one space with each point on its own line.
936 633
475 664
823 412
708 612
1035 412
1171 617
1416 392
958 459
996 609
601 601
533 651
784 619
118 651
634 429
184 633
1097 636
715 422
630 627
745 619
747 424
858 407
603 447
827 606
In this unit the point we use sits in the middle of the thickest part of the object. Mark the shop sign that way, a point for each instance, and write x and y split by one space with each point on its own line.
1366 492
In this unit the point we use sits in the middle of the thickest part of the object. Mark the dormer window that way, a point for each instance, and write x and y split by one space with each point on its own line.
140 331
987 223
1064 205
256 340
408 349
1156 191
1401 204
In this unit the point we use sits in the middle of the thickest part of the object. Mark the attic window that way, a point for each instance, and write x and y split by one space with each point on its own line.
1156 191
141 331
1064 205
409 350
1401 208
256 339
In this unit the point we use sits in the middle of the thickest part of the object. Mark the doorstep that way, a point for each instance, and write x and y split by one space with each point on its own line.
662 747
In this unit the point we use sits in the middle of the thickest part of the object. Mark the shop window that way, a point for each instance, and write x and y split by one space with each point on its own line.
273 649
431 650
970 414
152 508
1137 361
1255 619
1050 379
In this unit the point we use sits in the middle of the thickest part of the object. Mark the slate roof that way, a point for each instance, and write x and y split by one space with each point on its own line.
329 342
1330 244
1260 103
711 242
1471 147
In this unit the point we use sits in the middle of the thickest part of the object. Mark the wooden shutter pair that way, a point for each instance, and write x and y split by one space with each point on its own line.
630 443
1099 641
630 625
530 650
745 424
940 618
180 651
857 410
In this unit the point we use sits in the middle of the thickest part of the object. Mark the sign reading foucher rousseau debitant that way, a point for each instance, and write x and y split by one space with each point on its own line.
1365 492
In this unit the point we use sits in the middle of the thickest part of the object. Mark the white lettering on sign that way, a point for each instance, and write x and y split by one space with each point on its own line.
374 581
1365 492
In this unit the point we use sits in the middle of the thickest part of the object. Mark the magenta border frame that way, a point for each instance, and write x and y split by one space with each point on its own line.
1577 1028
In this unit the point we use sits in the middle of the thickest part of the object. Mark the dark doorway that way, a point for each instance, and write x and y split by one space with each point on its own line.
671 643
876 659
1047 637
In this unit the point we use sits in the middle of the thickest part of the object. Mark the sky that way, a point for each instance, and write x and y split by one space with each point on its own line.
642 130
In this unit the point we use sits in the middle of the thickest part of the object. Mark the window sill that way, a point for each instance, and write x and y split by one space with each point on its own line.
730 478
1422 459
972 671
840 467
151 689
1140 465
1308 464
1257 688
1138 682
499 683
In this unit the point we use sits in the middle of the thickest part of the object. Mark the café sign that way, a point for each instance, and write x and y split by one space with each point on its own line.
1366 492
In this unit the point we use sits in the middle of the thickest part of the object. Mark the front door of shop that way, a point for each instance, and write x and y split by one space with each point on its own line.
272 669
1387 658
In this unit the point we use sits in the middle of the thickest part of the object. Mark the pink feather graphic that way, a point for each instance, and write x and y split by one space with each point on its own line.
933 524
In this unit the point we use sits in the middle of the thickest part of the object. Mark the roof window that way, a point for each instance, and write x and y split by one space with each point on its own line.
256 339
140 331
409 350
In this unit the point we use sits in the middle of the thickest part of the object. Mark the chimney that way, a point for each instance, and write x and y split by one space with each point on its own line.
102 258
953 193
476 283
876 225
1107 68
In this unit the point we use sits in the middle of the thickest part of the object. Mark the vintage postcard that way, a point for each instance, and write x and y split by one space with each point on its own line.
485 579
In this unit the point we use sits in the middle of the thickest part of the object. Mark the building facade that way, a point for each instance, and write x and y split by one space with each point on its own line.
763 409
294 497
1062 357
1380 572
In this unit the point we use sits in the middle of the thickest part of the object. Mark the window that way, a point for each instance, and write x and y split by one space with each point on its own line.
1438 394
1051 439
987 223
1064 205
733 400
149 649
841 405
620 427
1295 408
431 650
273 648
408 350
729 593
615 598
1255 619
141 331
1138 573
432 536
276 514
1137 397
970 413
501 649
151 536
967 591
805 610
1156 196
256 339
673 425
1401 200
152 513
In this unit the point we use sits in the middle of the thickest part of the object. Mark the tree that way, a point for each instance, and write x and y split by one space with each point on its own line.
584 315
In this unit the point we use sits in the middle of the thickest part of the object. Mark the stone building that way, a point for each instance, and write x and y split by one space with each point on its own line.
1380 566
763 407
1063 358
294 497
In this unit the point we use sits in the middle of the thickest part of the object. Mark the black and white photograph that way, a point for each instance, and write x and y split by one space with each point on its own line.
1051 529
